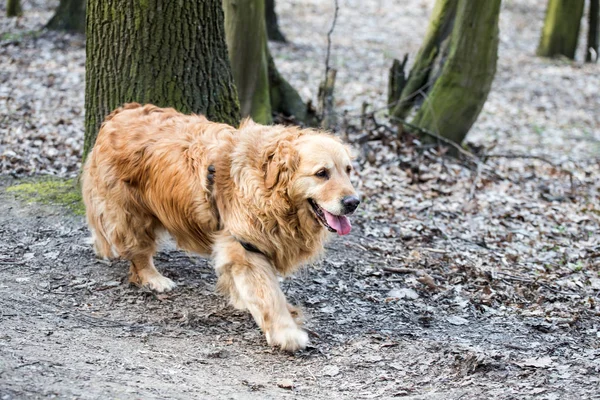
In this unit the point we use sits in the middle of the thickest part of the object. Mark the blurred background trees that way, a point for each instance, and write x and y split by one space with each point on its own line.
69 16
273 31
453 71
261 88
13 8
225 69
591 54
561 28
145 52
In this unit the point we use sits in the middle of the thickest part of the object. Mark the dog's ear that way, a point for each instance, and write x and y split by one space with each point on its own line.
281 164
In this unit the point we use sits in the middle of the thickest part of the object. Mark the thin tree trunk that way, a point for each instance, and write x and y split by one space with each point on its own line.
148 53
439 29
261 88
247 44
69 16
459 93
561 28
285 100
273 31
13 8
591 55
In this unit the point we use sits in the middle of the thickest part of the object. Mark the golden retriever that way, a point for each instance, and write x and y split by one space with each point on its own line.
259 199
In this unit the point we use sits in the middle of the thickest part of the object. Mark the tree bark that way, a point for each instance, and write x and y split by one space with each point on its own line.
591 55
561 28
326 100
396 82
70 16
261 88
273 31
147 52
468 64
439 29
13 8
247 44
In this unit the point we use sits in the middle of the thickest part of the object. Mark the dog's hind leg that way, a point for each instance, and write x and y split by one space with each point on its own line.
142 272
250 281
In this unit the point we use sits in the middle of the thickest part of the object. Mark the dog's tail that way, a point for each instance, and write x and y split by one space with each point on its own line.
94 209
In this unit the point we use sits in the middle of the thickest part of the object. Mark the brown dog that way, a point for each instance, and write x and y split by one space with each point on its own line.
260 199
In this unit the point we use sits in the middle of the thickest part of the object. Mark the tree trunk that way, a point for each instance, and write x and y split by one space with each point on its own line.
561 28
148 53
13 8
415 87
261 88
70 16
285 100
326 100
396 82
461 89
273 32
247 44
591 55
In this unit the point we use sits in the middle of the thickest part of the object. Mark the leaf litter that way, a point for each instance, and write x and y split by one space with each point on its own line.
441 246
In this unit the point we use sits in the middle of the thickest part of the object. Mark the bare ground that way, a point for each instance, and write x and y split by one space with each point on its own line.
73 328
457 282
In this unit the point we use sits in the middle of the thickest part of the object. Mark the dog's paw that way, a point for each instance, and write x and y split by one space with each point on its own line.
159 283
289 338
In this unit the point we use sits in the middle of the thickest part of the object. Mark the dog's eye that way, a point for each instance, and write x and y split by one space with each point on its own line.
322 173
348 169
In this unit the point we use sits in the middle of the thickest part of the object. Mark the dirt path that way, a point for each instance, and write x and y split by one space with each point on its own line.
71 327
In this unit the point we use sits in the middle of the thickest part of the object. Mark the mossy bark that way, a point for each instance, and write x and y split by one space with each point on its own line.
147 52
415 87
273 31
13 8
261 88
246 35
591 54
459 93
69 16
561 28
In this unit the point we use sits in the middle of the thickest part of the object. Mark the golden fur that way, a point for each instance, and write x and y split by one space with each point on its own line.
148 172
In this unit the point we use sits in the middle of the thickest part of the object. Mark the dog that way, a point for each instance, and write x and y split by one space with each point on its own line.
261 200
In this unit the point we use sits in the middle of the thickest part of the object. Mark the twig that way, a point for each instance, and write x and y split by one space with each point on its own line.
438 137
534 157
400 270
311 332
520 156
327 55
474 184
432 250
311 374
27 364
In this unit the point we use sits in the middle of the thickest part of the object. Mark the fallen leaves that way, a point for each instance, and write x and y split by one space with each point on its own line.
542 362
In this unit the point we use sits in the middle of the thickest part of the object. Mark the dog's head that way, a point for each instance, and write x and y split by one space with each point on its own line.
314 170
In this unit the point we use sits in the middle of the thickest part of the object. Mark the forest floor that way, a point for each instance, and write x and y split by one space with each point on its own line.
461 279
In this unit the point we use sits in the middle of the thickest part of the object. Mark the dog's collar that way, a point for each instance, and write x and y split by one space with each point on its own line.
250 247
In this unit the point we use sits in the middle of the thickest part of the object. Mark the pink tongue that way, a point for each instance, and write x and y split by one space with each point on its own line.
340 223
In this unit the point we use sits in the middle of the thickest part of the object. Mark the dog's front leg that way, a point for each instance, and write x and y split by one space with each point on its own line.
250 281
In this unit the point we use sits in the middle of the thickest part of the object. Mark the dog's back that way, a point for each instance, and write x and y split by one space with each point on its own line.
148 161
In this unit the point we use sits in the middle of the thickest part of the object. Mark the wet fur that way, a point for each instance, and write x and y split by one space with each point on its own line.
148 173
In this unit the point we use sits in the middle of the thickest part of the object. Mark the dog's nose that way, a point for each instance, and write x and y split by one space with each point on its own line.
350 203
